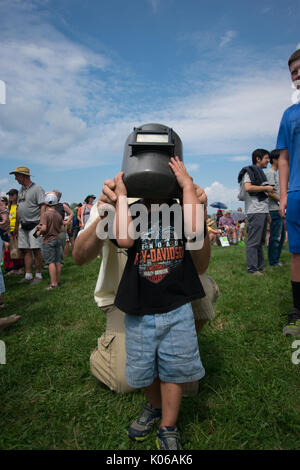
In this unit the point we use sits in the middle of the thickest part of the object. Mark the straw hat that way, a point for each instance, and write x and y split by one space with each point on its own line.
21 169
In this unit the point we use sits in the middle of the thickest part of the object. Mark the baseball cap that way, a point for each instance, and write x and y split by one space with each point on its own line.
90 195
51 199
12 191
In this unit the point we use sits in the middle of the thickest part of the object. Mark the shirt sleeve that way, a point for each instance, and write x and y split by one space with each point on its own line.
246 178
40 194
283 133
271 178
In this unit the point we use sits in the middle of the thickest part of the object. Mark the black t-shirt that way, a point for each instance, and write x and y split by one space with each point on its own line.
60 209
159 275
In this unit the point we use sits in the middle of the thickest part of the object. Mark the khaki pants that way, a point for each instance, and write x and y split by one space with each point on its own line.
108 360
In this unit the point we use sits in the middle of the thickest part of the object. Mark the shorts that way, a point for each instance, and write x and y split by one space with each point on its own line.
293 221
26 240
164 345
51 251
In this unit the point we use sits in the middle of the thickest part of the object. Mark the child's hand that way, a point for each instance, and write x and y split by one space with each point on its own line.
120 189
183 178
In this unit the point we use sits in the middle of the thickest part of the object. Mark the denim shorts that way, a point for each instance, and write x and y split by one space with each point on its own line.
293 221
164 345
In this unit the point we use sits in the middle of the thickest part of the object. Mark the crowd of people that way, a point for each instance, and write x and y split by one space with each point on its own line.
222 224
155 325
36 231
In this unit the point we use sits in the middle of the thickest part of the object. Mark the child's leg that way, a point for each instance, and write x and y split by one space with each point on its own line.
167 396
52 273
58 271
153 394
171 395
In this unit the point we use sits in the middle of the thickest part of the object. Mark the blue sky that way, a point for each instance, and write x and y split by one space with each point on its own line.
80 75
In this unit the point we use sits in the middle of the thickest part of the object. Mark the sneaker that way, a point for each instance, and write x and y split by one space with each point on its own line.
168 438
144 424
51 287
257 273
292 328
36 280
25 281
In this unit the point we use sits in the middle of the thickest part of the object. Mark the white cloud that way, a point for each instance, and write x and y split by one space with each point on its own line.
227 38
266 10
192 167
4 186
154 5
217 192
239 159
59 114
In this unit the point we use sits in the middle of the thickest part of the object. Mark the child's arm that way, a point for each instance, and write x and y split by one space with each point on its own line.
283 168
191 203
42 226
122 217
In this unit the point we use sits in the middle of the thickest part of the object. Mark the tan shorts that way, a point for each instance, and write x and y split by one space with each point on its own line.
26 239
203 308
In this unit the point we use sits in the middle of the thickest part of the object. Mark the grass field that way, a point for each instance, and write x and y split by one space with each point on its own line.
249 398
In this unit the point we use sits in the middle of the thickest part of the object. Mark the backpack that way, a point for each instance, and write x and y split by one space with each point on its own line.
75 221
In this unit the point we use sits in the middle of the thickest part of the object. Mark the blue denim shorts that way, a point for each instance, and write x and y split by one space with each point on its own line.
293 221
164 345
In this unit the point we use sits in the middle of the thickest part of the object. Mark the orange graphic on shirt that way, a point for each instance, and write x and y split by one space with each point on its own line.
155 264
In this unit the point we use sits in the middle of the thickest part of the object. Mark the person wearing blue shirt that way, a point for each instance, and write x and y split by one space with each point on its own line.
288 142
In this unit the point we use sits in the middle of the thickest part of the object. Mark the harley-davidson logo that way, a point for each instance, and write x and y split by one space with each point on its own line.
155 273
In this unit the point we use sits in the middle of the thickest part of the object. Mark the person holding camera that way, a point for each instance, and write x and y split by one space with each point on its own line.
50 227
30 208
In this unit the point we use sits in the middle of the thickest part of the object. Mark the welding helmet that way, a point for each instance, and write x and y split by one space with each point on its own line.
147 153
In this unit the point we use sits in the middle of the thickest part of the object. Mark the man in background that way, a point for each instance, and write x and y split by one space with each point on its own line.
30 208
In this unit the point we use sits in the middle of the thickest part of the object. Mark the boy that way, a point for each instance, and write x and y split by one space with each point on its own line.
155 293
288 142
51 225
277 230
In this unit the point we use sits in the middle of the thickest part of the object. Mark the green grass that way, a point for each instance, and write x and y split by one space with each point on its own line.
249 398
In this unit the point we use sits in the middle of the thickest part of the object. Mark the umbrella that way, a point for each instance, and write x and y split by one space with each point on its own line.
218 205
238 216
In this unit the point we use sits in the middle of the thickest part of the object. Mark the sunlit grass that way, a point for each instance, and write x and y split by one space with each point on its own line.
249 398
